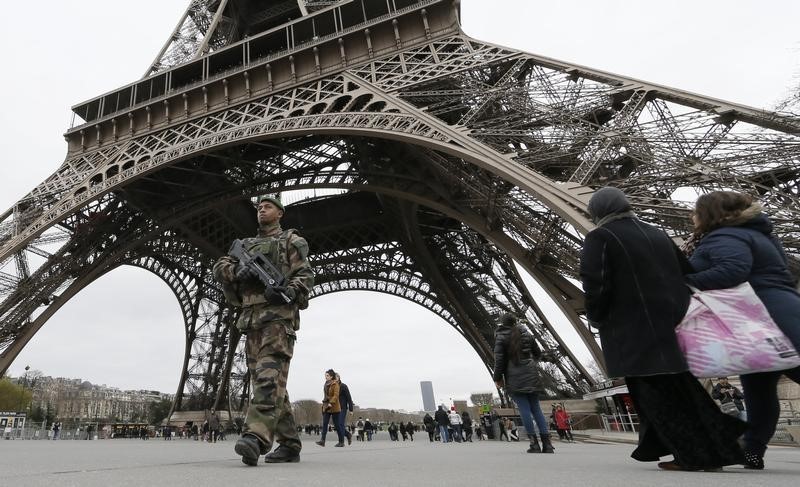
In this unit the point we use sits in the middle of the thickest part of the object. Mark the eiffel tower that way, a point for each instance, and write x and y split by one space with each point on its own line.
446 162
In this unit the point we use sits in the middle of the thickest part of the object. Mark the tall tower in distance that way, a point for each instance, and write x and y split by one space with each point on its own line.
428 402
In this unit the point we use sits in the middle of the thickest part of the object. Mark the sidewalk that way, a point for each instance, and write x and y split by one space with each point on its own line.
177 463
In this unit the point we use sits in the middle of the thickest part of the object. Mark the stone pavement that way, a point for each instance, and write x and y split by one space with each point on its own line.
590 462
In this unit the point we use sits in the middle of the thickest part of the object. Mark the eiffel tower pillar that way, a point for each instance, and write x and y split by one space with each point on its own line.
453 159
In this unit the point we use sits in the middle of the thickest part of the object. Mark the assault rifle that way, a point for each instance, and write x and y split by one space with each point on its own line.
267 273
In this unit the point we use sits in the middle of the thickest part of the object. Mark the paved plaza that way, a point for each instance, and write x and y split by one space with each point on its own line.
380 462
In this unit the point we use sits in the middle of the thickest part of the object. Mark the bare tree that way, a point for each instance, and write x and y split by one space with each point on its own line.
307 411
481 398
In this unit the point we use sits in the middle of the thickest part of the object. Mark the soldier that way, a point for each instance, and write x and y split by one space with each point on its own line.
270 324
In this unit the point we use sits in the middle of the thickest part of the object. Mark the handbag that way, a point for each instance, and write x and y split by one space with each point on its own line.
730 332
729 408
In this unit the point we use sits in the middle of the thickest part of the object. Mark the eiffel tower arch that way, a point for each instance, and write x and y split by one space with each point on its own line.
446 162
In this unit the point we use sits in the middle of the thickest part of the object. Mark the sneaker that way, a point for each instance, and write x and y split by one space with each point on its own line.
283 454
250 448
753 461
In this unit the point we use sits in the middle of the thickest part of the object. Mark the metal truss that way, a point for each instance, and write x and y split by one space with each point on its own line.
456 159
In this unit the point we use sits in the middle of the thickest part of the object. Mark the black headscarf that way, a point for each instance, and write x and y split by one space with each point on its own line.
606 202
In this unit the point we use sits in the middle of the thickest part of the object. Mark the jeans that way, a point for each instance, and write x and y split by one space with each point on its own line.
443 433
761 399
528 404
334 418
342 419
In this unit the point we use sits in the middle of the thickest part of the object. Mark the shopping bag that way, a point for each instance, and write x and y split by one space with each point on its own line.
730 332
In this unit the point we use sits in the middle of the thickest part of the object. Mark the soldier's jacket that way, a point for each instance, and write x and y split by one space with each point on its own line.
289 253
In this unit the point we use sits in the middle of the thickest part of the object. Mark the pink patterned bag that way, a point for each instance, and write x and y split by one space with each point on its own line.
730 332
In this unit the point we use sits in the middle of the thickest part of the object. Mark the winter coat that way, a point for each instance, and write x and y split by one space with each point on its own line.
731 255
455 418
330 404
466 420
345 400
730 394
441 417
522 377
632 277
562 419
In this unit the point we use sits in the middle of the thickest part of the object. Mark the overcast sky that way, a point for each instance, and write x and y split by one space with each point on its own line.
125 329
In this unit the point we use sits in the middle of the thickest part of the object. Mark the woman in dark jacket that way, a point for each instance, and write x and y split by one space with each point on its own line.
515 357
735 244
632 277
331 408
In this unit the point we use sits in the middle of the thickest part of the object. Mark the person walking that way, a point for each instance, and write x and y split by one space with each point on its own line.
410 430
466 423
331 408
430 426
635 295
734 243
346 405
515 356
270 317
213 426
562 423
444 423
455 422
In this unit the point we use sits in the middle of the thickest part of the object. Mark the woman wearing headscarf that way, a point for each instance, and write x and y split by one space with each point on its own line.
632 276
515 357
331 408
735 244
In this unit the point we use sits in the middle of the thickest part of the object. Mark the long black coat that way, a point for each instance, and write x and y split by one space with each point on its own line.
632 276
522 377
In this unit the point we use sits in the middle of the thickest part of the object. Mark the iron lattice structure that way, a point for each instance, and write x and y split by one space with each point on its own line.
452 159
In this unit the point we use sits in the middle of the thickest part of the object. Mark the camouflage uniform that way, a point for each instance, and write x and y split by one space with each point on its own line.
270 331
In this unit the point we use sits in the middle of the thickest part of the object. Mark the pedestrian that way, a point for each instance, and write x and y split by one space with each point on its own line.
455 422
635 295
410 430
402 428
393 431
346 405
331 408
270 318
734 243
56 430
515 356
466 424
443 421
360 429
213 426
730 398
430 426
562 423
369 429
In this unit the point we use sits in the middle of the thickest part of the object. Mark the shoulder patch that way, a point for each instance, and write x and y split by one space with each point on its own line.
300 244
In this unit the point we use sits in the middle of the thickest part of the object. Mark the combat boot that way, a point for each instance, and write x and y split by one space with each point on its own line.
534 445
283 454
547 446
250 448
320 442
340 444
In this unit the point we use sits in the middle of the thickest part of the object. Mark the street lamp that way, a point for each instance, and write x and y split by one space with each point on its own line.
23 383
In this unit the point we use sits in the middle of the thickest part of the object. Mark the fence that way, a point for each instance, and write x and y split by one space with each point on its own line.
40 432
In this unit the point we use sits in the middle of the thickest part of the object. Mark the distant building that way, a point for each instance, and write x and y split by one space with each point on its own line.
428 402
81 401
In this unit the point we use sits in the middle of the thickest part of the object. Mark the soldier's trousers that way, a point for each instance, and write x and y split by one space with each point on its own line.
269 417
